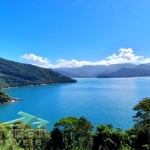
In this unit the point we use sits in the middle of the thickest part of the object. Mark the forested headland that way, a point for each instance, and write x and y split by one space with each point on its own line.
14 74
78 134
4 98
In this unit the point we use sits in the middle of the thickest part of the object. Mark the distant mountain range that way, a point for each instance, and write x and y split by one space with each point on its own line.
102 71
92 71
14 74
126 72
68 74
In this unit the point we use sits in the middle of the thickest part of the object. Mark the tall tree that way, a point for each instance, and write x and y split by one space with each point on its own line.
142 124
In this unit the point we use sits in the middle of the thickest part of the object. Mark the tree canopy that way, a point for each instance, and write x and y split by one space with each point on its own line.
4 98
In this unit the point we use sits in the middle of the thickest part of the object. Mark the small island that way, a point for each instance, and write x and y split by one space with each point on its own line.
5 98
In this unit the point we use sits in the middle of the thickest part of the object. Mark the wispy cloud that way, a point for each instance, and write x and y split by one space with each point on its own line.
125 55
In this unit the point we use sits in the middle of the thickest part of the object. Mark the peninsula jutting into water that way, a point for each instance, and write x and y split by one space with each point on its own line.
14 74
6 99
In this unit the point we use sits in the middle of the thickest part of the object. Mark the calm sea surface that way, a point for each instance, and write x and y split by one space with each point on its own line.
100 100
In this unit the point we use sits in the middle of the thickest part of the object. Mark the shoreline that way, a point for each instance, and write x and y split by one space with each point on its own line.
123 77
12 101
36 85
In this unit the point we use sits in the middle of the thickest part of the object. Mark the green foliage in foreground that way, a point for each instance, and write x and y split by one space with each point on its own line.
77 134
14 74
4 98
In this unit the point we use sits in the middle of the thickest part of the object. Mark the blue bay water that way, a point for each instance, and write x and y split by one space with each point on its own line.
102 101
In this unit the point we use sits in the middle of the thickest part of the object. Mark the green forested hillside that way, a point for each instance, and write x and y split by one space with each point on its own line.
4 98
13 74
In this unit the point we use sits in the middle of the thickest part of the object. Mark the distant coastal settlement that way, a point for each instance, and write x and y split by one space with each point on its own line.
6 99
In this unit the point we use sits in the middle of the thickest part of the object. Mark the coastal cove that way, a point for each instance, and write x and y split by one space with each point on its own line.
102 101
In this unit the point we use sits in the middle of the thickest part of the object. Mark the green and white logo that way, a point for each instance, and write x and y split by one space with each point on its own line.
32 137
29 119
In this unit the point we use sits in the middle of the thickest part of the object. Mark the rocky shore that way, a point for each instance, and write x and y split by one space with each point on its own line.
13 100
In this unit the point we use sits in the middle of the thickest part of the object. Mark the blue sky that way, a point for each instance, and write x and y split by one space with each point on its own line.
70 33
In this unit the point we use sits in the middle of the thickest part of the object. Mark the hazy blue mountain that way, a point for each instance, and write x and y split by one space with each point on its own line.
143 66
126 72
13 74
89 71
71 75
78 71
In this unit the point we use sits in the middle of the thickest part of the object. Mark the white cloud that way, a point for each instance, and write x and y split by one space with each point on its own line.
145 61
124 56
37 60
